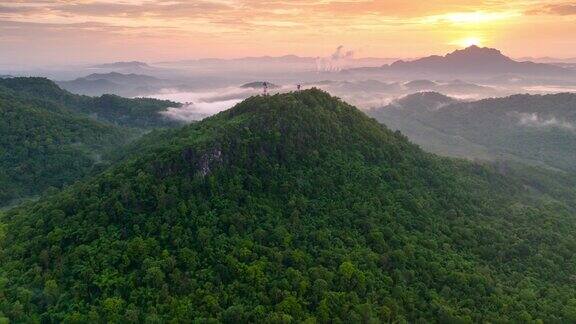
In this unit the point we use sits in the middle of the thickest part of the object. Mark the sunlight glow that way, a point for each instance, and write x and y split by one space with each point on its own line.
472 41
149 30
468 18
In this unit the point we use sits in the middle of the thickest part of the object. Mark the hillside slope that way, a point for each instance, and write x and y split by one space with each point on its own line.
126 85
138 112
289 208
535 129
51 138
44 145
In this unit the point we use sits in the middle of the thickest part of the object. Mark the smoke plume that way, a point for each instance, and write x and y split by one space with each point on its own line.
335 62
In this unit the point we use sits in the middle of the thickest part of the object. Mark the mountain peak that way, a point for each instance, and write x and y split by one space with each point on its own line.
279 106
428 100
475 52
259 85
473 60
473 55
123 65
303 122
477 48
429 95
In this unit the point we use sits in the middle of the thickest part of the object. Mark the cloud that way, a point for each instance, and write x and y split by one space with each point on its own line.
201 104
288 13
179 29
13 9
149 9
193 112
535 120
563 9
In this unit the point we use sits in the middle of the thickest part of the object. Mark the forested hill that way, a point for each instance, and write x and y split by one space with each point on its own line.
535 129
139 112
49 138
44 145
290 208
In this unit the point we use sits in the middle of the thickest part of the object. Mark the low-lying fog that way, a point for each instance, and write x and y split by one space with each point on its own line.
366 94
206 86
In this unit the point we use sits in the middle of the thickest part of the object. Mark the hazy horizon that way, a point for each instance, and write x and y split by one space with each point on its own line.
12 66
158 30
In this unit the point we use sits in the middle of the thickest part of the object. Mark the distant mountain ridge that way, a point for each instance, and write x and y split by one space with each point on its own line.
473 60
123 65
121 77
547 59
128 85
282 64
534 129
282 59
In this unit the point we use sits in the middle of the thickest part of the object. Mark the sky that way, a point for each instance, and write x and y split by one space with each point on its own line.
51 32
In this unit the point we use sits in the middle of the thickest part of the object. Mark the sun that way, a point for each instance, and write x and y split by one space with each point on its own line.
471 41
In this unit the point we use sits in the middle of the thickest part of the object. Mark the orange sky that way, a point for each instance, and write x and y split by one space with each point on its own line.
74 31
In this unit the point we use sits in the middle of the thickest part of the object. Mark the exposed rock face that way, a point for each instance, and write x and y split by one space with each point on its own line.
194 162
208 160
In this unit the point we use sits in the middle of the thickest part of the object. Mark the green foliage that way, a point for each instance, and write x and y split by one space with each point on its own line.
139 112
47 139
533 129
47 146
290 208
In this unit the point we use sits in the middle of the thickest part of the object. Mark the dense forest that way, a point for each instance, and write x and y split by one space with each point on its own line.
534 129
138 112
293 208
49 138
